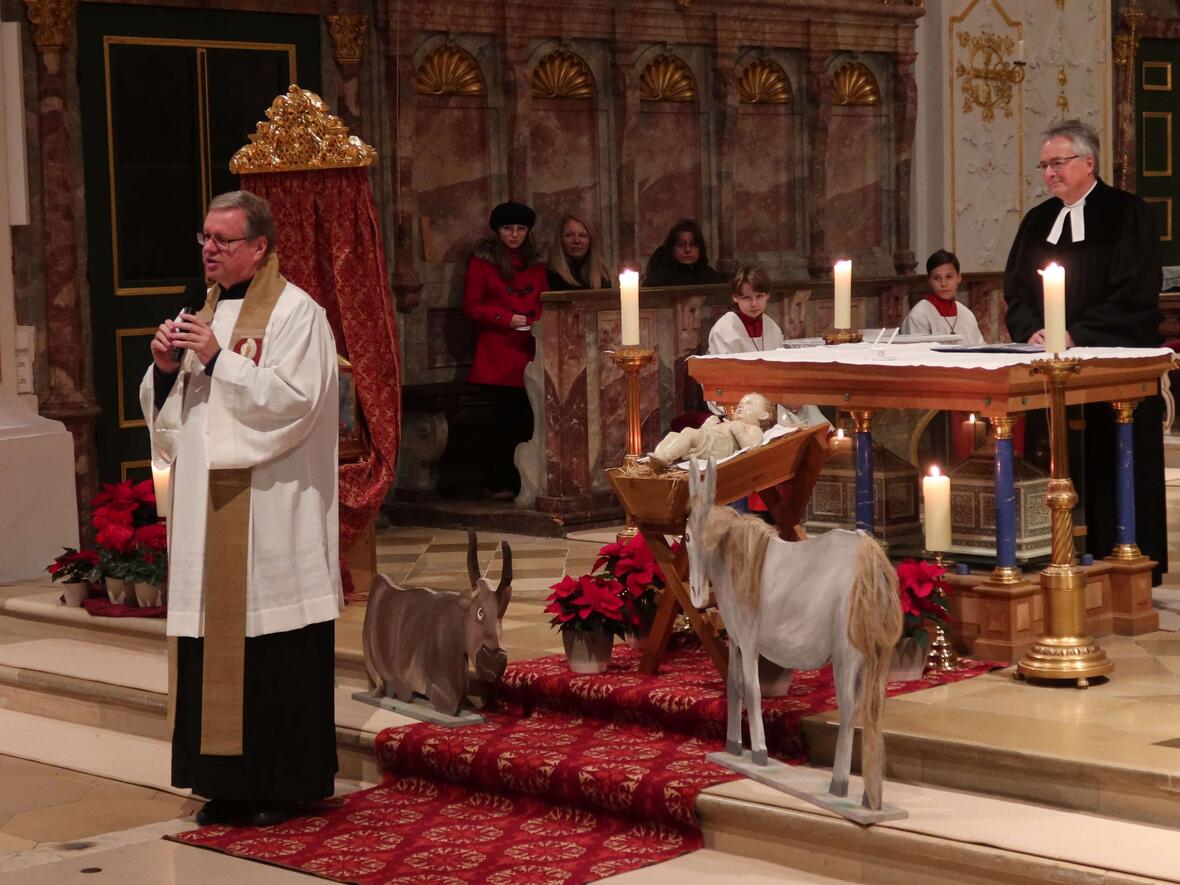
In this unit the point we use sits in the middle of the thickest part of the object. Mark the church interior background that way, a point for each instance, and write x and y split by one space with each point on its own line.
797 133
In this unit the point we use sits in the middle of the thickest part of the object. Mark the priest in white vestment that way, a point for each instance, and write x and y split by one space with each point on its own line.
248 418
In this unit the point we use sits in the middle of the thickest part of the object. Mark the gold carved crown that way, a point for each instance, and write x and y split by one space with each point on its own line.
300 135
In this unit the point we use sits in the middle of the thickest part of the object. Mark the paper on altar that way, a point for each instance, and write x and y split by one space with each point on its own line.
864 354
773 433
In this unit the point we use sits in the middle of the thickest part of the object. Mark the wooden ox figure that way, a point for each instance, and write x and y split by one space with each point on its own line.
419 641
798 604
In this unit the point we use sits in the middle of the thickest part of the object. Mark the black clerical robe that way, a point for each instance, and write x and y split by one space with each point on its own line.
1112 285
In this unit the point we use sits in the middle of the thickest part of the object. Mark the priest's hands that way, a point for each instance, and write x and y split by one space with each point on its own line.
162 349
192 333
1038 337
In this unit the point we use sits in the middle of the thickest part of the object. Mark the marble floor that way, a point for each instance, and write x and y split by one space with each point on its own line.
63 826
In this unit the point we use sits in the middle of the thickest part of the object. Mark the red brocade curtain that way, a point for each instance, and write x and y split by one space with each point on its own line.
329 244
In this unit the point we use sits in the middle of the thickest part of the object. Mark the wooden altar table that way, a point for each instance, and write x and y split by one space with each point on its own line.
862 379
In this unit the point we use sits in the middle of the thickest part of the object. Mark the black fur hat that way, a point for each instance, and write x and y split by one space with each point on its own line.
512 213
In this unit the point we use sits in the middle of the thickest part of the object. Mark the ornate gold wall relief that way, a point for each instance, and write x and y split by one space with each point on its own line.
855 85
450 70
52 21
764 82
562 74
667 79
348 34
988 76
301 135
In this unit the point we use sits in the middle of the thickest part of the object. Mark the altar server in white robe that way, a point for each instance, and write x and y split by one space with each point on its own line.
747 329
248 418
939 313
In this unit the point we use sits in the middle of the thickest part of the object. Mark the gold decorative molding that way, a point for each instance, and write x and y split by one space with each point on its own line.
52 21
1062 98
300 135
764 82
988 76
450 70
562 74
348 33
1126 46
854 85
667 78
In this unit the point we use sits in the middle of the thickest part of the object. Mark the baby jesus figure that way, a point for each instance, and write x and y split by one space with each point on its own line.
716 438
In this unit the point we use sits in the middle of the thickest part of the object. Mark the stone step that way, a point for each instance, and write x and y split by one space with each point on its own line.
38 614
123 693
1126 772
949 836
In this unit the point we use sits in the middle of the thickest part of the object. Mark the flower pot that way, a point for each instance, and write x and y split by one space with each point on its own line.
148 595
775 681
909 660
120 592
587 651
74 592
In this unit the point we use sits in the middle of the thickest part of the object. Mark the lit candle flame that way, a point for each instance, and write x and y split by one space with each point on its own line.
971 420
934 470
840 433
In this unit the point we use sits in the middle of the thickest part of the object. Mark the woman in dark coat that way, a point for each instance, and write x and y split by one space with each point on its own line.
682 260
575 258
502 297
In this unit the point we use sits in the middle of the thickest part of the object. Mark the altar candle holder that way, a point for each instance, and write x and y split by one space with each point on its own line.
1065 651
631 359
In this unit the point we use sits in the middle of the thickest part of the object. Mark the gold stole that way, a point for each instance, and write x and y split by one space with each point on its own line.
227 544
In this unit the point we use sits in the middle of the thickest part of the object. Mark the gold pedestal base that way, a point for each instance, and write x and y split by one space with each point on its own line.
1066 651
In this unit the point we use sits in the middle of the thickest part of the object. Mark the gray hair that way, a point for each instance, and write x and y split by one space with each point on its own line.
259 221
1082 137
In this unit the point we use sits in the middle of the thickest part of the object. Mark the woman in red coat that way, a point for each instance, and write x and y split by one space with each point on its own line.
502 297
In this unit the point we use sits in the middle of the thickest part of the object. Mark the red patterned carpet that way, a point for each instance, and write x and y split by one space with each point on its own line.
574 778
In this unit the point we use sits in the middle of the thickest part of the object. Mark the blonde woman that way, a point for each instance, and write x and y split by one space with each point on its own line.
575 258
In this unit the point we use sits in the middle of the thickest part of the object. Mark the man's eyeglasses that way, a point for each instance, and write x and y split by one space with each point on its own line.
220 243
1056 164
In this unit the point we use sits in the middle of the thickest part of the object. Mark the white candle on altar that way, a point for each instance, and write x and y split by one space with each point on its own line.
1053 280
842 289
936 495
629 306
162 481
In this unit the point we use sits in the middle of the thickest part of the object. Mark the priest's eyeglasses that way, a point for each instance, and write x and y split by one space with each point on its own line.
1056 164
220 243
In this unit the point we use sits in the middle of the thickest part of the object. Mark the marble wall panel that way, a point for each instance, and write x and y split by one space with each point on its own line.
764 183
854 185
563 157
667 169
451 175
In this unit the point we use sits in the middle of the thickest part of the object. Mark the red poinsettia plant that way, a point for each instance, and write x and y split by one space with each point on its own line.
922 593
75 566
592 602
632 564
132 542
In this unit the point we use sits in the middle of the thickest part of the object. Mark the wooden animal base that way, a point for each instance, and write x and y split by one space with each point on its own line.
808 784
419 709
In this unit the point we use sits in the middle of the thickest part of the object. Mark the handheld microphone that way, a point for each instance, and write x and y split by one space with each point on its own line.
178 352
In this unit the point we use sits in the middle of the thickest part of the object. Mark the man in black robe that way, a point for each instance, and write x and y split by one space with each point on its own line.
1106 239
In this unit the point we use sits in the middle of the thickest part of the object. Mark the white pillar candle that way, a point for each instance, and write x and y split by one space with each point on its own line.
162 481
842 289
936 496
629 306
1053 280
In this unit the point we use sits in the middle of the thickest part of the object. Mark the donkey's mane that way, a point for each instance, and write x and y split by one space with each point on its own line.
742 541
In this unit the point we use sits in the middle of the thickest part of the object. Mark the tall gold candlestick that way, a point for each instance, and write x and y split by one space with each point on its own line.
1066 651
631 359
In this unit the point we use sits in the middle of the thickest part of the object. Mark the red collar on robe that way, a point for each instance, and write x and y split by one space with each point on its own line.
943 306
753 326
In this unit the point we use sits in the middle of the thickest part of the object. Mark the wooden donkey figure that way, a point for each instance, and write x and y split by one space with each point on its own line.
419 641
798 604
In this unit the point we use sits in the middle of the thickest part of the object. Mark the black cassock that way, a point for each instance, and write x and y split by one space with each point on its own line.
1112 284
